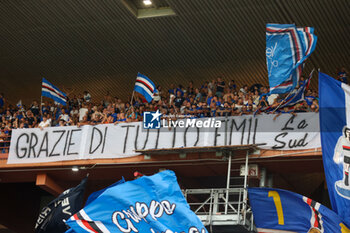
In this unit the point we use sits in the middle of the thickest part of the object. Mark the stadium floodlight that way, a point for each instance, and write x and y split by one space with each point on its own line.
75 169
147 2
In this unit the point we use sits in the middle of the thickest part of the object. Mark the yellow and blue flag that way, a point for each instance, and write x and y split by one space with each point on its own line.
277 210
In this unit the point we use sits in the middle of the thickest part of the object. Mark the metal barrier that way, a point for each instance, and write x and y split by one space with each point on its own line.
214 208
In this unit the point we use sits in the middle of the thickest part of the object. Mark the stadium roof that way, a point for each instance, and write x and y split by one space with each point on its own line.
100 45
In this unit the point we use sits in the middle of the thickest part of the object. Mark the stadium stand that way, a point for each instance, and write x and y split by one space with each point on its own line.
207 60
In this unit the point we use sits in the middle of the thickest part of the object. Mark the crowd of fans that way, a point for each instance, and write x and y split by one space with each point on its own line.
212 99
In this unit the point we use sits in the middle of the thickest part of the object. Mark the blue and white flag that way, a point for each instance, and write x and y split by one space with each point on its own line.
334 102
149 204
145 87
50 91
286 50
308 39
298 95
277 210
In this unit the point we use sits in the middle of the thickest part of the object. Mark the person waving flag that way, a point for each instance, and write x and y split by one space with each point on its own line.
145 87
50 91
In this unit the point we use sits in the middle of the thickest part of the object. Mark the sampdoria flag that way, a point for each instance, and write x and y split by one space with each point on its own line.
51 218
279 211
287 47
145 87
50 91
149 204
334 98
297 95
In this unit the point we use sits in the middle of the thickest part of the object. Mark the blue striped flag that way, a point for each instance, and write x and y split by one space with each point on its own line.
50 91
282 211
335 140
145 87
298 95
287 47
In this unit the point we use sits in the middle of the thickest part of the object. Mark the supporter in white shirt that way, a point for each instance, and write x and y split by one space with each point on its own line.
46 122
271 98
82 112
64 116
74 112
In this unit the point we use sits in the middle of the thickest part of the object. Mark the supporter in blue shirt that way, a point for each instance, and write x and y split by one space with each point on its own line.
190 88
186 97
180 89
263 102
213 109
209 99
178 99
45 109
232 85
199 110
19 115
302 81
172 89
114 115
220 86
342 75
224 110
121 117
2 100
250 109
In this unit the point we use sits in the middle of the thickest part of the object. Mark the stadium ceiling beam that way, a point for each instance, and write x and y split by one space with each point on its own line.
48 184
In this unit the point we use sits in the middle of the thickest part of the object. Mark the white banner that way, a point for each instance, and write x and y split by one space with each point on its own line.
287 132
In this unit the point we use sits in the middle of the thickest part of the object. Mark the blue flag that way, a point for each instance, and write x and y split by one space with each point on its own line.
277 209
50 91
334 98
150 204
96 194
287 47
297 95
145 87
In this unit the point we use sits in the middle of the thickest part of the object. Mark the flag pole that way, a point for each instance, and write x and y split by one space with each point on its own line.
132 97
41 105
282 102
41 100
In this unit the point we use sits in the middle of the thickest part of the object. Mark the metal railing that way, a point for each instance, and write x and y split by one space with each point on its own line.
220 206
